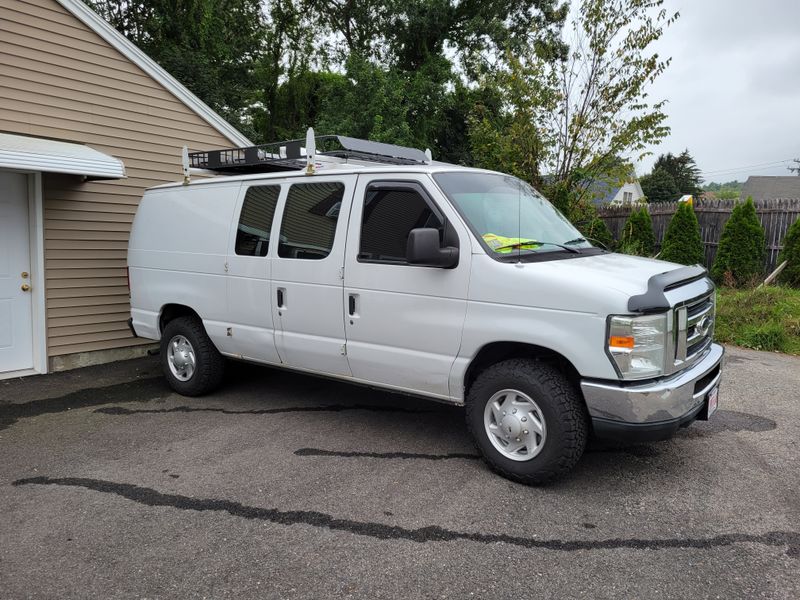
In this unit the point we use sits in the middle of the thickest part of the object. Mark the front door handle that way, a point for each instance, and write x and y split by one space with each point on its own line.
351 305
280 298
25 287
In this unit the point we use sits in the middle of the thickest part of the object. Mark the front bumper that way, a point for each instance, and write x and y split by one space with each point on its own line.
653 410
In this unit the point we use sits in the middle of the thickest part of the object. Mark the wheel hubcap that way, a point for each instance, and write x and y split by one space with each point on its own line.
180 357
515 425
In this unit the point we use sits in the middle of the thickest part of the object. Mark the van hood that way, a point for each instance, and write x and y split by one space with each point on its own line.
621 272
599 283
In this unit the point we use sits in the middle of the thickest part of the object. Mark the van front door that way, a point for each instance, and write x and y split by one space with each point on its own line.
403 322
307 287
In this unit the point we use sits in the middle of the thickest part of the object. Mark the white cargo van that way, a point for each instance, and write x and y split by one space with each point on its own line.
372 264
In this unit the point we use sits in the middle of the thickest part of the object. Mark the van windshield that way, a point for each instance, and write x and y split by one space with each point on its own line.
508 215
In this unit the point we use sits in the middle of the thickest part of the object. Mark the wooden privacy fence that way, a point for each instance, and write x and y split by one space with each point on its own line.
776 216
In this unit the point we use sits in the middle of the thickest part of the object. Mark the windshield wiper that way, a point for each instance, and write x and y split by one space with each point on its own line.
536 243
587 239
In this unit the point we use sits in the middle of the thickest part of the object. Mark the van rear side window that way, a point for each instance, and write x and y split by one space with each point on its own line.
258 208
309 220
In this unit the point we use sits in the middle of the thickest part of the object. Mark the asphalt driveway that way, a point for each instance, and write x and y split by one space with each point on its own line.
287 486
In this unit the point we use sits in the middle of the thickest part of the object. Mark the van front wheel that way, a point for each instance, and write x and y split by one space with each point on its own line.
527 420
190 361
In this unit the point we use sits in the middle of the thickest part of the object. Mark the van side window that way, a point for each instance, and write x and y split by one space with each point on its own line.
255 221
309 220
388 218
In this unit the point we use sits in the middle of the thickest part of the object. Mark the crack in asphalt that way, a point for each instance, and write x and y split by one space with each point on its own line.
386 455
121 410
432 533
146 389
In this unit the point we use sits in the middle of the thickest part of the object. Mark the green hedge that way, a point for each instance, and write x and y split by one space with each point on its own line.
596 229
637 235
791 252
741 251
682 242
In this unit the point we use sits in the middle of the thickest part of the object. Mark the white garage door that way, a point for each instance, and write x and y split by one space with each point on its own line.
16 325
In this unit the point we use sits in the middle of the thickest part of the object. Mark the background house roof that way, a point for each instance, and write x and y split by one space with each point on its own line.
603 192
764 187
128 49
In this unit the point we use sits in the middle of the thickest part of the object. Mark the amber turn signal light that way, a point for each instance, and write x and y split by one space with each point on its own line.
620 341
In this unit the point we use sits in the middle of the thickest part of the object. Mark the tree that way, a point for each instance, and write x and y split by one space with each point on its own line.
584 111
740 254
683 169
406 33
637 235
682 242
659 186
791 252
211 46
593 227
796 168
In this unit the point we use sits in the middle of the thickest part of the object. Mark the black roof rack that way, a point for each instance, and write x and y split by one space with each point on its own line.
289 155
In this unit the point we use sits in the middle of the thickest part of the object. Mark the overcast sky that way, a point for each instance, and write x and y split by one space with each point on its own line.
733 87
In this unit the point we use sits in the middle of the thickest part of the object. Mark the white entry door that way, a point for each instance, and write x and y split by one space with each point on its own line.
16 323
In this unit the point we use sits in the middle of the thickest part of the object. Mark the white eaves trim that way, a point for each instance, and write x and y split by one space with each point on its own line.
33 154
128 49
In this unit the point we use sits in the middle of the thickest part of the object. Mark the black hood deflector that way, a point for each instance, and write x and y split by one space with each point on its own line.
654 299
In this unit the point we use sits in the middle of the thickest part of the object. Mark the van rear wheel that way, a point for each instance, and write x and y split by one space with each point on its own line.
190 361
527 420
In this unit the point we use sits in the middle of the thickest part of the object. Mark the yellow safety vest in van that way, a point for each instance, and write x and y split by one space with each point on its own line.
498 243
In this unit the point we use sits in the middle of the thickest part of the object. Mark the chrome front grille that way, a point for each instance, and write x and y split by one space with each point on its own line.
699 326
693 330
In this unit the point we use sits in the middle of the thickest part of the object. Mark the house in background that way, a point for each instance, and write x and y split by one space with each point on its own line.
766 187
87 122
603 192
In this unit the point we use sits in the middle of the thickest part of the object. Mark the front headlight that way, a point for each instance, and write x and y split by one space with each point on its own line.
637 345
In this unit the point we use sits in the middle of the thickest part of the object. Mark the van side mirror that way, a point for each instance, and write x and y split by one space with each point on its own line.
423 249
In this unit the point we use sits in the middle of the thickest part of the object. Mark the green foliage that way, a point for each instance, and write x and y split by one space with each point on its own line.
682 242
791 252
659 186
572 119
585 217
637 235
728 194
766 318
211 46
597 231
513 142
740 254
684 171
730 190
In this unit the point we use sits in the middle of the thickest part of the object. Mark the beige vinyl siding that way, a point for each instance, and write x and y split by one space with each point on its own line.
60 80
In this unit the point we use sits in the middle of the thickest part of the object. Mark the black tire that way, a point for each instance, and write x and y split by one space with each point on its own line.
209 363
561 406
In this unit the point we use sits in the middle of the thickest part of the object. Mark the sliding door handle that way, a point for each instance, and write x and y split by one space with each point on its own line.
280 298
351 305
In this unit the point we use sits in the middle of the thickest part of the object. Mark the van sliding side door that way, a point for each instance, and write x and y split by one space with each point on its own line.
307 289
251 331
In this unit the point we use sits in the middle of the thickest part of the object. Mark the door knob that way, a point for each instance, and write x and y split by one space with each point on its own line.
25 287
